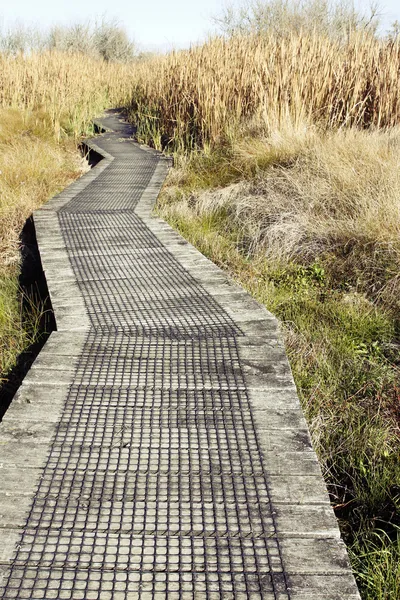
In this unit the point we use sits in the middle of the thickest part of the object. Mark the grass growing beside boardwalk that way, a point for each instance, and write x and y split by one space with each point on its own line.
320 263
199 97
67 89
33 167
287 150
47 101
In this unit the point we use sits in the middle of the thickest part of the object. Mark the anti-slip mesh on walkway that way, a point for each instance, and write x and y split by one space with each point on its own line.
161 439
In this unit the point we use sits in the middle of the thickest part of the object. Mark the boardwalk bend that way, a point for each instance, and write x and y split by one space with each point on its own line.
156 449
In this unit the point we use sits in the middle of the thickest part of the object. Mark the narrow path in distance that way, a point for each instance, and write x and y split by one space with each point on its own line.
157 448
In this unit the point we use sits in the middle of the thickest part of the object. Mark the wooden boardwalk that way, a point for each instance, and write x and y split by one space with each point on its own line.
156 449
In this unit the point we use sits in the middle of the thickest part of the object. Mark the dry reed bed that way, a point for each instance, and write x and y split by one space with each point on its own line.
45 98
70 89
47 101
198 96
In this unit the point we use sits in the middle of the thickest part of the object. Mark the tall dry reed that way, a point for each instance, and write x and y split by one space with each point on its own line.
198 96
69 89
47 100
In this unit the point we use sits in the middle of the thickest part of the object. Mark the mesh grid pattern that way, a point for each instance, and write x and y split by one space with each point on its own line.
172 584
135 233
153 361
151 290
116 188
154 486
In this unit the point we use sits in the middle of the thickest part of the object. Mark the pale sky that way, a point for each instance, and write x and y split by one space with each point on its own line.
154 24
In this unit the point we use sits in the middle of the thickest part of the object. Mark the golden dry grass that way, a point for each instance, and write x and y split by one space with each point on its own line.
47 101
33 167
307 195
69 89
200 96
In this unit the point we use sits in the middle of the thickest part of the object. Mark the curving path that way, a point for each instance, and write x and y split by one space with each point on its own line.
156 449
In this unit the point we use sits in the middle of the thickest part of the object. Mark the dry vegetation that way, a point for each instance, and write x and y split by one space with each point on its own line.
200 97
67 89
32 168
309 195
287 145
47 101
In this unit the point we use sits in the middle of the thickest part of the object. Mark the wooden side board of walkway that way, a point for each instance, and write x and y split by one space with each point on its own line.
157 448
